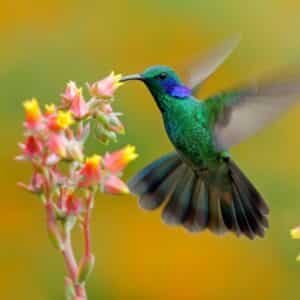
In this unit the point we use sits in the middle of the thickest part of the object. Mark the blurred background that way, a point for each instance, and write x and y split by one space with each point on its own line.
44 44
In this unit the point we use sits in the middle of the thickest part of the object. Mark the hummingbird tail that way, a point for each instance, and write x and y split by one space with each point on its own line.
198 202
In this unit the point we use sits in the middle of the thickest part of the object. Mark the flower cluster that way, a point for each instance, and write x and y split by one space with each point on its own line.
63 176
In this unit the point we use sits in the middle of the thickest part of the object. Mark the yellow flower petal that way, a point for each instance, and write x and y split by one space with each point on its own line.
32 108
129 153
50 109
93 160
117 79
64 119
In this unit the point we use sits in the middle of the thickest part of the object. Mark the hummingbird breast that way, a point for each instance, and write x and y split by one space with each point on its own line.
187 125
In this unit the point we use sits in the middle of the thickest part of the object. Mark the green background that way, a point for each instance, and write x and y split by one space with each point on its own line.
44 44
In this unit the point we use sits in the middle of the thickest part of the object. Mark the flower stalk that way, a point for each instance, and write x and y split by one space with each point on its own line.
65 178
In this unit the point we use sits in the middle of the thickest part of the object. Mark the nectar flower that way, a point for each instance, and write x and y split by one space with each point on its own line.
64 119
70 92
106 87
79 107
114 185
57 144
50 109
118 160
32 147
63 180
61 120
91 171
33 113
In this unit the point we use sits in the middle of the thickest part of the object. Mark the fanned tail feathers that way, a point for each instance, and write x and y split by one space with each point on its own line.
200 201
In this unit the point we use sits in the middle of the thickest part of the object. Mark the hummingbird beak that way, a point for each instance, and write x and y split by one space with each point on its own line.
131 77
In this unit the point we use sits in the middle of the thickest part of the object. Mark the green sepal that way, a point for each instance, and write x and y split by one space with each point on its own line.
102 118
86 267
69 289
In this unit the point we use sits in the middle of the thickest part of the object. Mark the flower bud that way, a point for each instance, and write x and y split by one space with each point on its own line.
105 136
106 87
116 125
71 92
116 162
114 185
32 147
57 143
91 171
85 268
33 114
102 118
79 107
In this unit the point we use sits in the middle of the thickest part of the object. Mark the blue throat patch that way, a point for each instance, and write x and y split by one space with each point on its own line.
176 90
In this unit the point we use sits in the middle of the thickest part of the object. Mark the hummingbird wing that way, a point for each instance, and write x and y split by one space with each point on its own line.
201 69
240 114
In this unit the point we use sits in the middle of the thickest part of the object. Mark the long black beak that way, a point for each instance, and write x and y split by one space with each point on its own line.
131 77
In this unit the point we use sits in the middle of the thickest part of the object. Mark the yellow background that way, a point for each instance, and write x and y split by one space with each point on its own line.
44 44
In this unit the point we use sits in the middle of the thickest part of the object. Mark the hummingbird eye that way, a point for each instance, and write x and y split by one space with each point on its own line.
163 75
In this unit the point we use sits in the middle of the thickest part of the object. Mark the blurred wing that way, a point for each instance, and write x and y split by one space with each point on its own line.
200 70
241 114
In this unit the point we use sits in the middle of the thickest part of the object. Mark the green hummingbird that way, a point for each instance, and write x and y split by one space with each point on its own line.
200 183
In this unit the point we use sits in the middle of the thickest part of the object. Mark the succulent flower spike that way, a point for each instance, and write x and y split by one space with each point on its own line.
66 183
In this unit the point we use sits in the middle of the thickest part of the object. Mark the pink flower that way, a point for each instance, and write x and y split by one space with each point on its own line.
91 171
71 92
110 119
114 185
57 144
118 160
106 87
79 107
73 205
32 147
60 120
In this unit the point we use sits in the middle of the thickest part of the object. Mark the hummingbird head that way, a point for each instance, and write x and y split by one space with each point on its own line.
161 80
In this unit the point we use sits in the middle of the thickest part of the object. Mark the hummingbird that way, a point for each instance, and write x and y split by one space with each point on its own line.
199 182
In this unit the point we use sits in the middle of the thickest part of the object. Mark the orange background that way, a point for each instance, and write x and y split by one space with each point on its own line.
44 44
